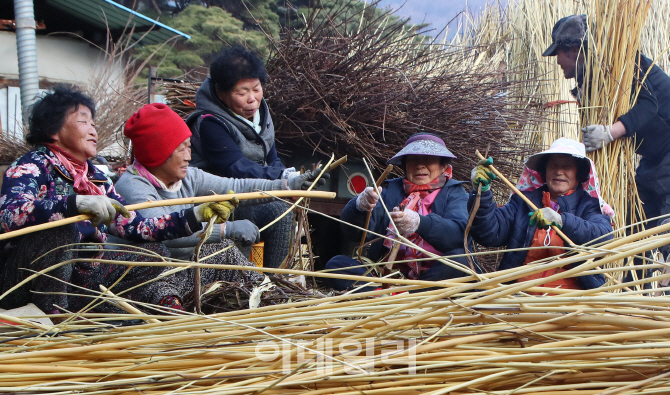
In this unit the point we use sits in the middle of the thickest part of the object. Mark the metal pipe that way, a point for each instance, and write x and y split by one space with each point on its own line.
26 48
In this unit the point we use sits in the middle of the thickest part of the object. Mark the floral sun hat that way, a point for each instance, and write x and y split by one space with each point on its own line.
422 144
531 179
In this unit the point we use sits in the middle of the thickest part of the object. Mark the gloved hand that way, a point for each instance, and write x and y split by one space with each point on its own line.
481 174
288 173
544 218
303 181
367 200
406 222
243 232
205 211
102 208
596 137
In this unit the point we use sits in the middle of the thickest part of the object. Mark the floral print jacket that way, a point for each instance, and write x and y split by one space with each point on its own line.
37 188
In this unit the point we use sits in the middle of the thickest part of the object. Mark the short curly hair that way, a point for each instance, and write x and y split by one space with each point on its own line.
48 114
234 64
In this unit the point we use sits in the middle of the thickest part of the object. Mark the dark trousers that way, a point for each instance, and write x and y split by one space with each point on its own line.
653 186
35 252
652 177
277 237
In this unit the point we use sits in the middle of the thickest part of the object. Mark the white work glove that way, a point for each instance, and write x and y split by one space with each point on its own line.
544 218
406 222
205 211
102 208
367 200
596 137
243 232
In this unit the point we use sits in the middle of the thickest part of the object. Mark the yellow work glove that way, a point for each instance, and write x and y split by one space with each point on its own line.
544 218
205 211
482 174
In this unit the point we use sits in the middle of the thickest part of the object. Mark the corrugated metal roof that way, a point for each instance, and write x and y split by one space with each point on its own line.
106 13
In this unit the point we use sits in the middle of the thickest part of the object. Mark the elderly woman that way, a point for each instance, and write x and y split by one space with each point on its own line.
428 209
233 136
56 180
233 133
563 183
162 150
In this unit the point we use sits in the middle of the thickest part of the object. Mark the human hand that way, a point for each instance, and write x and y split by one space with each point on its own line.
482 174
243 232
596 137
303 181
367 200
544 218
406 222
223 209
102 208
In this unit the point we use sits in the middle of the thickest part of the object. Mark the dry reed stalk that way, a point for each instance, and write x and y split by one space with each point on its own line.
502 352
161 203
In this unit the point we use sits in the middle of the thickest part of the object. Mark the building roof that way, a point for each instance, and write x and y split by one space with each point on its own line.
107 13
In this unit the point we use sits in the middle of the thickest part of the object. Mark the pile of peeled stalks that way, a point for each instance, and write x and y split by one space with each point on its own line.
482 334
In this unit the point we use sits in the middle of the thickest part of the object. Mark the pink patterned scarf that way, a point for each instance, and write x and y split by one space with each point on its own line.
78 171
420 199
144 172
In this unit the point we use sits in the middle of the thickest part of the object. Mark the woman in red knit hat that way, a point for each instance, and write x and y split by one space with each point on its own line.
162 149
56 180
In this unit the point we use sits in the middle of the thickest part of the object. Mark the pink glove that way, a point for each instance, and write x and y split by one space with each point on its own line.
406 222
368 199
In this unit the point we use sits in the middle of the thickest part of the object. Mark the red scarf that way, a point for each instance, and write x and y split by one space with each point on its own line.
414 200
78 171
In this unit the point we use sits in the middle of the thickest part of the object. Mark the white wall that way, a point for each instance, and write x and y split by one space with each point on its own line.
59 59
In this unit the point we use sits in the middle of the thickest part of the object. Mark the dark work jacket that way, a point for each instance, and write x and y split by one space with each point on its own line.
649 118
508 225
224 145
444 228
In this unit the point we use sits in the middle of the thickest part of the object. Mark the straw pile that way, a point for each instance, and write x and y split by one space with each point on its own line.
485 337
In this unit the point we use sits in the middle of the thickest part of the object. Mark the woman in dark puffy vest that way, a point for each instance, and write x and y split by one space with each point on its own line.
233 134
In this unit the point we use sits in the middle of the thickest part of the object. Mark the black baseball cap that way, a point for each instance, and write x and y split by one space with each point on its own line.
569 31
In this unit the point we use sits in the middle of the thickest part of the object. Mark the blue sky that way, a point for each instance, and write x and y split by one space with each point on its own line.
436 12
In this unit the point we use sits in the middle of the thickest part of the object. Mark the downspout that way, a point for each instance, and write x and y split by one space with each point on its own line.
26 48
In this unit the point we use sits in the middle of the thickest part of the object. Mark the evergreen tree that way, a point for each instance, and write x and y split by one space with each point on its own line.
210 29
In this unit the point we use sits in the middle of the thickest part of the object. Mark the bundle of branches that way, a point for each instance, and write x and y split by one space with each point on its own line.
226 296
364 91
180 96
12 147
472 335
117 96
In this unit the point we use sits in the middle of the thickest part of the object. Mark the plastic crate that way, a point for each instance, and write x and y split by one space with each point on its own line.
257 254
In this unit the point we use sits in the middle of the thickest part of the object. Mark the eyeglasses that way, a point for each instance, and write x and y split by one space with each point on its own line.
87 122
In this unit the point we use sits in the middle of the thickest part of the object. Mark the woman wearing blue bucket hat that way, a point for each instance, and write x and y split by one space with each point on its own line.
428 208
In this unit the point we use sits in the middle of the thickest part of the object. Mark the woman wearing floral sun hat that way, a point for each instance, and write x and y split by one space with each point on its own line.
433 214
563 182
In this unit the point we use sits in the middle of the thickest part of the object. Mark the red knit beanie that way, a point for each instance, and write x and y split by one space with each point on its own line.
156 131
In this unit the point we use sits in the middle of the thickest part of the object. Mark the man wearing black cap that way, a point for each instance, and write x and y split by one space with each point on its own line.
648 120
